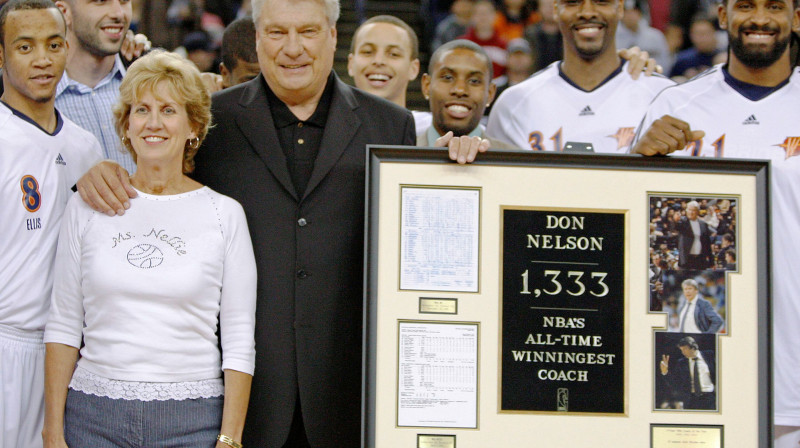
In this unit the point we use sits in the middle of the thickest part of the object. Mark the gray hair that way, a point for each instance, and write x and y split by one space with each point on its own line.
690 282
693 204
331 10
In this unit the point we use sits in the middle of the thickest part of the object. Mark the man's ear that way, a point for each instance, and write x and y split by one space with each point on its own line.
350 70
226 75
722 14
492 93
413 70
796 20
426 85
64 7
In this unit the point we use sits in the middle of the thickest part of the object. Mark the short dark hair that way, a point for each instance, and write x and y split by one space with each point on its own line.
702 17
732 253
460 43
24 5
688 341
633 4
795 3
391 20
239 42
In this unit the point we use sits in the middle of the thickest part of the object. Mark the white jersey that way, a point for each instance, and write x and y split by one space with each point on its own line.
737 127
37 172
546 111
422 120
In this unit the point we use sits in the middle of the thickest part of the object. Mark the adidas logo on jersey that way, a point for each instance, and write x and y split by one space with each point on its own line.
586 111
60 160
751 120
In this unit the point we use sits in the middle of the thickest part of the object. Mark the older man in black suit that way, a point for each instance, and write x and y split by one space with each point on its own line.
290 147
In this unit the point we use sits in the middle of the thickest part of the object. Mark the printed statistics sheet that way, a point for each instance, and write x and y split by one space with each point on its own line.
440 235
437 381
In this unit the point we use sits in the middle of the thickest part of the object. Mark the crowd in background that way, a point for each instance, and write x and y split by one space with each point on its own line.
683 36
509 41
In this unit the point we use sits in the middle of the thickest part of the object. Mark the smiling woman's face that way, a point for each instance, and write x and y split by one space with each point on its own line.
158 129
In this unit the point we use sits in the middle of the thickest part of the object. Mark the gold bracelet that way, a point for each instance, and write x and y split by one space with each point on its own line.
229 441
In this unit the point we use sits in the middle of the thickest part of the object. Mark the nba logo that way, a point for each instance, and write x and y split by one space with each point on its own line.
562 399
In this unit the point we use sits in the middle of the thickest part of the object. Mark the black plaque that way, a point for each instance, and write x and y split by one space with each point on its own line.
563 318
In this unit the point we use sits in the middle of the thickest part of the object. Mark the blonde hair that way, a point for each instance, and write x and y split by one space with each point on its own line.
184 84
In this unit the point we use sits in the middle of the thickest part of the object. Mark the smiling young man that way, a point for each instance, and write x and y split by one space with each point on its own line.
90 86
587 100
384 59
42 156
747 108
459 87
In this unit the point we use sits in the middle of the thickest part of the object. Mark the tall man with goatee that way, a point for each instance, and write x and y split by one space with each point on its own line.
748 108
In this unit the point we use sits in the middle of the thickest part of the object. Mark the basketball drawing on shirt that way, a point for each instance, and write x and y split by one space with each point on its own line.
145 256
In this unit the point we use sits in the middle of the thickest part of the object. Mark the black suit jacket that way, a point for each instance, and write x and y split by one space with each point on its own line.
309 252
681 379
686 238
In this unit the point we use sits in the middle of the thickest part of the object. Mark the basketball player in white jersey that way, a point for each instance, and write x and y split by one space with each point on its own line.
749 109
42 155
588 100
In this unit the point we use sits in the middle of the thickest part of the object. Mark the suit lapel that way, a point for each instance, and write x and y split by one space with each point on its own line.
255 123
340 128
698 313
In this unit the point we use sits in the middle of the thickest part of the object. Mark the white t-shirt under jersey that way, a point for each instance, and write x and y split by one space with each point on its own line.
144 290
768 128
546 111
37 172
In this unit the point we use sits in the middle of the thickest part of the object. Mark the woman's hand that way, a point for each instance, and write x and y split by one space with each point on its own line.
56 440
237 396
58 367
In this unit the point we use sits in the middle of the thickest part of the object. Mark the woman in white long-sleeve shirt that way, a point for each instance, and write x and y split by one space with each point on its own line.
145 290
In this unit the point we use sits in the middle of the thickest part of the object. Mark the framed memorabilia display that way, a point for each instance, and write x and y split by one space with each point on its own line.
566 299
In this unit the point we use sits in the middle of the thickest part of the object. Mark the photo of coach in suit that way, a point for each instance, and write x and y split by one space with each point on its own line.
696 314
694 301
694 240
694 233
686 376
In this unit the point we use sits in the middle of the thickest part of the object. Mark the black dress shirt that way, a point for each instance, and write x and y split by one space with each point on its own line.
299 139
